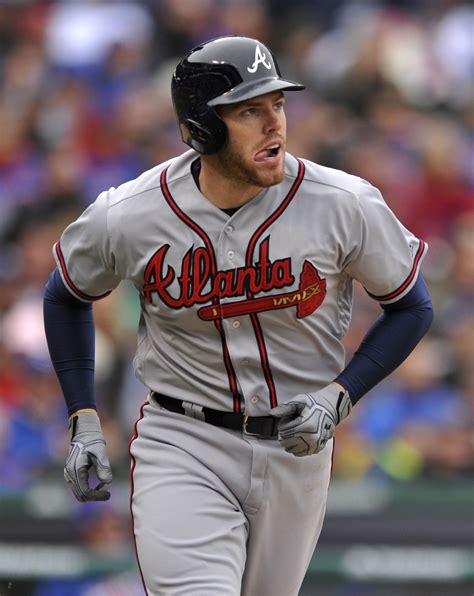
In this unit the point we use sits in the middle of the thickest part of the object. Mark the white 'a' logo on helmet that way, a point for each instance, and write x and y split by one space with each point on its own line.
260 58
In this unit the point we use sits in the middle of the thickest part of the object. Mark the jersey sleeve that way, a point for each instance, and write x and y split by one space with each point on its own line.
84 256
388 256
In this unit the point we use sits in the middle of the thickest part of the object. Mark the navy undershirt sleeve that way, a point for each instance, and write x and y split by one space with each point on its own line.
69 327
389 341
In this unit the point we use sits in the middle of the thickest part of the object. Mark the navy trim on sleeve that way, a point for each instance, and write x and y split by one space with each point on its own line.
389 341
69 328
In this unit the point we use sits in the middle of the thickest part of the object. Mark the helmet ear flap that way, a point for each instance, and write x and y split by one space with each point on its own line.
207 136
197 131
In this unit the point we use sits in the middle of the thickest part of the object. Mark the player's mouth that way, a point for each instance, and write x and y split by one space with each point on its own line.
270 154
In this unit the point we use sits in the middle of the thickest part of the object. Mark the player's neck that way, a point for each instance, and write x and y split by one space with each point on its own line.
224 192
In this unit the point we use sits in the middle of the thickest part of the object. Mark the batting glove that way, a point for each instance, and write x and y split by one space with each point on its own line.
87 451
309 420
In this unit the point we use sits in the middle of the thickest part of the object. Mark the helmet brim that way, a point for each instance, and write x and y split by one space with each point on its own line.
254 89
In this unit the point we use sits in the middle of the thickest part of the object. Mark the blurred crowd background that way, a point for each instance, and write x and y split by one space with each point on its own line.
85 105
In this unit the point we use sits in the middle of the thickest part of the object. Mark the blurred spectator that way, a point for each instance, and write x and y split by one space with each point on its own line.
34 432
456 321
415 423
80 36
454 52
103 531
183 25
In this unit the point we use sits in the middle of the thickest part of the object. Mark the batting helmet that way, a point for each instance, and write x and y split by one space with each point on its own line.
221 71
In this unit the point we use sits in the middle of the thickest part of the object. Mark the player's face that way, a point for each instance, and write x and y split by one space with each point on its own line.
255 151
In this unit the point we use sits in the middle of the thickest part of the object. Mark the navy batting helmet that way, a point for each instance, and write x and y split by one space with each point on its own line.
222 71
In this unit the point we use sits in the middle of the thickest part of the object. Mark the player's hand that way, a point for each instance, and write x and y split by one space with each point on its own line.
309 420
87 451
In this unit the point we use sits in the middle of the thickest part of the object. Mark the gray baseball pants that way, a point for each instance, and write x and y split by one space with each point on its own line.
219 513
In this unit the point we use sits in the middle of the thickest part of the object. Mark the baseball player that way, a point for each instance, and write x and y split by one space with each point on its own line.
244 258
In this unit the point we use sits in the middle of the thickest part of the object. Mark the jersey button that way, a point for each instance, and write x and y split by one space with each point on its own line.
235 324
229 229
230 254
254 399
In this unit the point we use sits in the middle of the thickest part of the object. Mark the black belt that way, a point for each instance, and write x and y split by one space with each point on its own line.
265 427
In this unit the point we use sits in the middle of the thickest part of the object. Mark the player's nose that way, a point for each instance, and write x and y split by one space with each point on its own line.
272 122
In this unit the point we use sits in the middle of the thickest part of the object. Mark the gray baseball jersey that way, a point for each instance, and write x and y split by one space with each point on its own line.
239 313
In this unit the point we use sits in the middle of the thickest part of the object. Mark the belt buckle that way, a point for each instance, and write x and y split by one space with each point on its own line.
244 428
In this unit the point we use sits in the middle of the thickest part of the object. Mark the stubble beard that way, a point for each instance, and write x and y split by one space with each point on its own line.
234 167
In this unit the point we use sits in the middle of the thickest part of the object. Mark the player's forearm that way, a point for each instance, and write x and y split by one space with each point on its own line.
69 328
388 343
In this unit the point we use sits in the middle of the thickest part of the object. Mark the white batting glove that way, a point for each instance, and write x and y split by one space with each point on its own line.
309 420
87 451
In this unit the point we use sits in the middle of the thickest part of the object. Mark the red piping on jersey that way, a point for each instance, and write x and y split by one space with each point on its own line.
248 261
409 279
132 469
210 249
70 283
